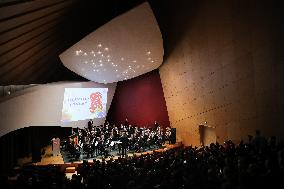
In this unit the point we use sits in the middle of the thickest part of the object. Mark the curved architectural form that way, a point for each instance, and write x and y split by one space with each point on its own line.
127 46
43 105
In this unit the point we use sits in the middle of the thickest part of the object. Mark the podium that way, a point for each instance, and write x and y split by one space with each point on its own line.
55 146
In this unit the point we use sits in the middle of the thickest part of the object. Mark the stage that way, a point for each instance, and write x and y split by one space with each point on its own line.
111 152
48 159
69 167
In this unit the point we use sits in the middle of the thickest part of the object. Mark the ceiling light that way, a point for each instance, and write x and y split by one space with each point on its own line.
98 53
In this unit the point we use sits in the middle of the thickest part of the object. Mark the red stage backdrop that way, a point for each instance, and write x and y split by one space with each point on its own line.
140 100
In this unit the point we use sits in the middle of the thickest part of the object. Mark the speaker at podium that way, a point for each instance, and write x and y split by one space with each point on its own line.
55 146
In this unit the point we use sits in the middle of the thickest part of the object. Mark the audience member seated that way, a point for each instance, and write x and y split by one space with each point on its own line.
216 166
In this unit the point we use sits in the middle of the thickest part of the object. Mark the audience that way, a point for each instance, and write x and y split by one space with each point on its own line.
259 163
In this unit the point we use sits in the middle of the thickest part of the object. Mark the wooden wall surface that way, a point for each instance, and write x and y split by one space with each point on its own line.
224 66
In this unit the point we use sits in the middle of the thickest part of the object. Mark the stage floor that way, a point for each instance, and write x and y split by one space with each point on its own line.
114 153
49 159
62 158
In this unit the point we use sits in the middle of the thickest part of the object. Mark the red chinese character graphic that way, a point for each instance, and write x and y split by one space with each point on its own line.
96 102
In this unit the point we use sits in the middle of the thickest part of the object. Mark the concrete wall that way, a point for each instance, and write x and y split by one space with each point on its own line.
224 65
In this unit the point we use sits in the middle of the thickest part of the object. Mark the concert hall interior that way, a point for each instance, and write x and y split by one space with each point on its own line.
133 94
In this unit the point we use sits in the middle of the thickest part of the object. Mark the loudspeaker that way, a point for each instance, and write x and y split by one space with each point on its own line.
173 135
36 152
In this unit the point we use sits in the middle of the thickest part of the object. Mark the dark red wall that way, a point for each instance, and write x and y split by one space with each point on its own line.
141 100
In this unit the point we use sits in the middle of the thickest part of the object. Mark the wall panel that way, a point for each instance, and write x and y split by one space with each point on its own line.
228 52
32 34
141 100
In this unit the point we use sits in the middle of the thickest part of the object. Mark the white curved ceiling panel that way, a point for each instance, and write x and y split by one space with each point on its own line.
127 46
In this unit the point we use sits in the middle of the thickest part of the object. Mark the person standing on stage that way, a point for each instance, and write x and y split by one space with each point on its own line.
124 144
90 124
156 125
126 123
55 146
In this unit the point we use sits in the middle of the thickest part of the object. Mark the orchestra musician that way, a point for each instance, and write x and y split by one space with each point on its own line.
124 144
103 139
126 123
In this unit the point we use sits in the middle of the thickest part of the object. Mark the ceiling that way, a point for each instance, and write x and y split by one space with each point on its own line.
125 47
34 33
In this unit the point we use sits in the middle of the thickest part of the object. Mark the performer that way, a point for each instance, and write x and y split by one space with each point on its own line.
156 125
126 123
168 134
124 144
90 124
55 146
105 138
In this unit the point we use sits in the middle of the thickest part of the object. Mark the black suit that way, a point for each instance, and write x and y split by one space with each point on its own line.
124 145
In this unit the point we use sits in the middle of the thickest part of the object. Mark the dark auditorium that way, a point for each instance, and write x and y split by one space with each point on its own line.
141 94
